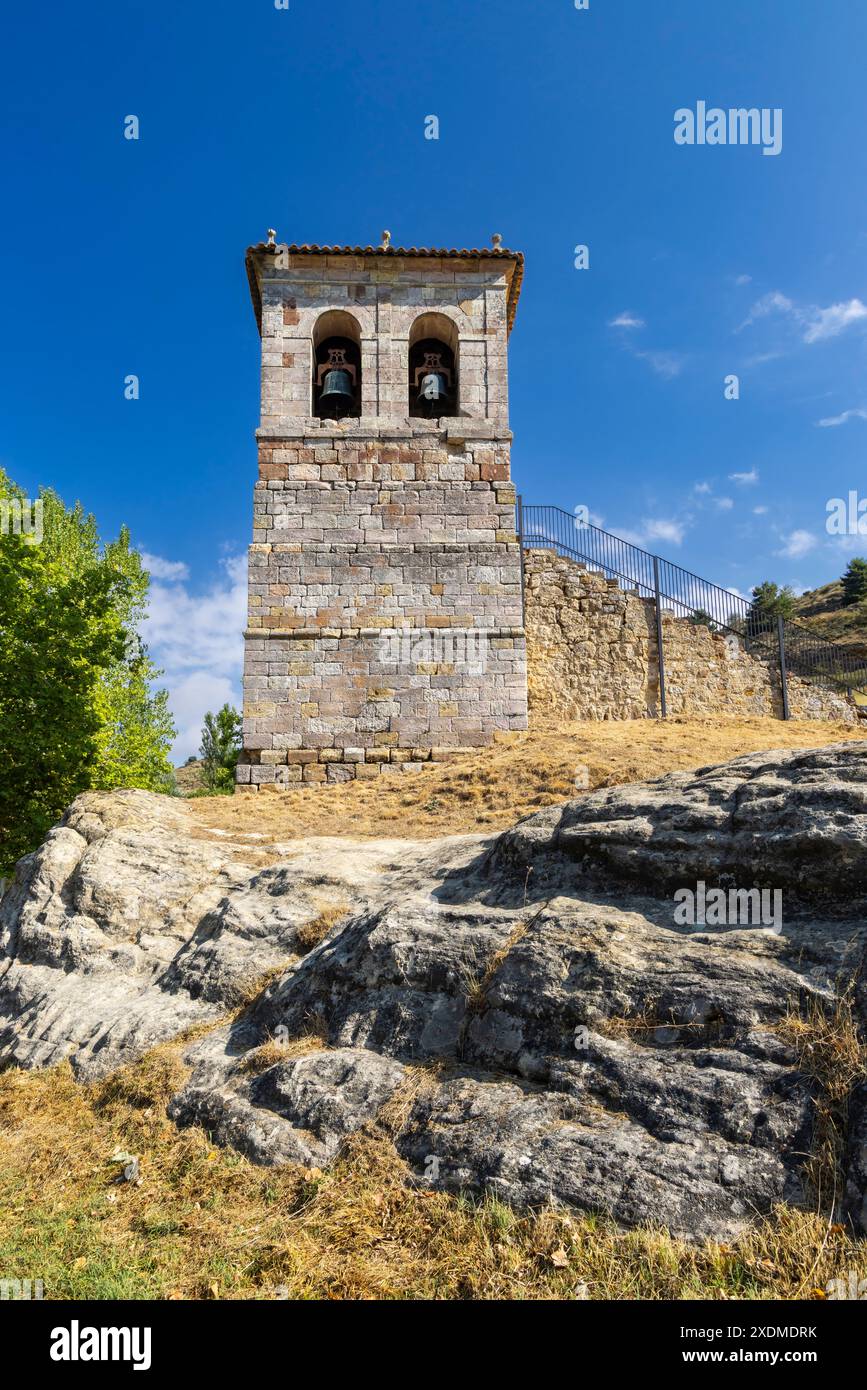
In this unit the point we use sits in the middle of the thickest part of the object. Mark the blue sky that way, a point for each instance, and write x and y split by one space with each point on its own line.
556 129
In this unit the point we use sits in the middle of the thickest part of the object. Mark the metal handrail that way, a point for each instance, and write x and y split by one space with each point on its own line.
689 596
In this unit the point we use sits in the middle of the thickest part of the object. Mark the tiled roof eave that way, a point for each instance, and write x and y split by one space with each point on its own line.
476 254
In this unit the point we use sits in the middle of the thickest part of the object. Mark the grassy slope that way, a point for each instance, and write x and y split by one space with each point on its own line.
492 789
205 1223
825 612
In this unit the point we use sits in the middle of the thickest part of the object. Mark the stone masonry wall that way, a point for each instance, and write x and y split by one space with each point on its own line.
384 605
591 654
385 297
385 626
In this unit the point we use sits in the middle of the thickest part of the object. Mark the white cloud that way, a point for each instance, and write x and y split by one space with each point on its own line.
817 323
190 698
667 364
743 279
626 320
744 479
659 529
164 569
827 323
652 529
197 639
759 511
773 303
831 420
850 545
758 359
705 490
797 543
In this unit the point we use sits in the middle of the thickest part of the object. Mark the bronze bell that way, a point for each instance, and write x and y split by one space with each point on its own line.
433 394
337 396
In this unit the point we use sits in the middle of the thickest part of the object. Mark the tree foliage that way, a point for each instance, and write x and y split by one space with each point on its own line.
776 601
770 601
701 618
221 746
76 706
854 581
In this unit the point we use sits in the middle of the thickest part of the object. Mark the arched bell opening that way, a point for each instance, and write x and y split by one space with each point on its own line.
336 366
433 377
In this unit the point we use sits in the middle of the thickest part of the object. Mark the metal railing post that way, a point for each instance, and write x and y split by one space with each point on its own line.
519 527
660 655
784 677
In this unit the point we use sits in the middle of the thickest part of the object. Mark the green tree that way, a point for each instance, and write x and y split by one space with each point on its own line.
221 746
701 618
770 602
771 598
854 581
76 708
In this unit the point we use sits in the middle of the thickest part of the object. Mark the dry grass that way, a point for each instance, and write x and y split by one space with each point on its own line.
476 975
497 786
832 1051
311 933
205 1223
269 1053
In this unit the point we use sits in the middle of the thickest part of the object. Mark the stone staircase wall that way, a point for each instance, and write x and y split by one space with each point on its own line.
591 654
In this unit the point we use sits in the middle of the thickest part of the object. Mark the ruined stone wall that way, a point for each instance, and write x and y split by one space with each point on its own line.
591 654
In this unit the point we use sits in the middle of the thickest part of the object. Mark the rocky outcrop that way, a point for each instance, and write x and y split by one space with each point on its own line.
529 1012
794 821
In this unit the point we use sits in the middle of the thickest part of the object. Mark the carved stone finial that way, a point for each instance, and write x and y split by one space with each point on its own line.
386 238
272 237
497 240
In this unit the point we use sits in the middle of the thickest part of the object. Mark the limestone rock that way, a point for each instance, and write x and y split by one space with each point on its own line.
793 820
527 1005
297 1110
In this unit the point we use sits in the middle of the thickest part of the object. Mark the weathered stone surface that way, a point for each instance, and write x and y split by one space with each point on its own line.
298 1110
534 1147
794 820
554 1034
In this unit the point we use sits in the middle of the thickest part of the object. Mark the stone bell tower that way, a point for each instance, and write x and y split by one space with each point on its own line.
385 616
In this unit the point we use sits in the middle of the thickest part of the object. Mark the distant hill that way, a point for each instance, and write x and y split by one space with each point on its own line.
189 778
825 611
